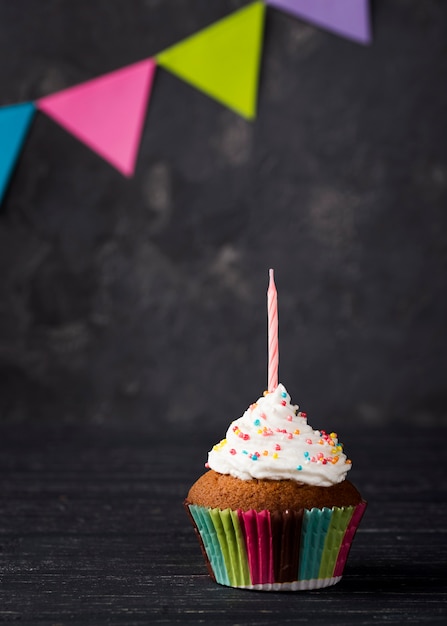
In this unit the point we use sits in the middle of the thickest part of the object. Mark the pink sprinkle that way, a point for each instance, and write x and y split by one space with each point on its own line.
290 418
207 465
264 416
277 446
232 451
283 402
245 437
290 436
309 441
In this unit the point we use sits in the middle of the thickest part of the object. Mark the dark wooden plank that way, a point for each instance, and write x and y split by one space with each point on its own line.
92 531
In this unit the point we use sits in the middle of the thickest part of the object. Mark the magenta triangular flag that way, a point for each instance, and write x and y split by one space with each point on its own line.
348 18
106 113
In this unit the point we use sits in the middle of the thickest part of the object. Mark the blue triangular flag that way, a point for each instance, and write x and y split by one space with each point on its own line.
15 121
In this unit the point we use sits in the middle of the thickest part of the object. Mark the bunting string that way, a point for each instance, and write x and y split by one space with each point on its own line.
222 60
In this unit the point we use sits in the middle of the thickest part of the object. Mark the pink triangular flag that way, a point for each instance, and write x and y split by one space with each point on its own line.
348 18
106 113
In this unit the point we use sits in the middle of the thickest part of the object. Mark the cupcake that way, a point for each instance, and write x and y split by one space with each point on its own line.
274 510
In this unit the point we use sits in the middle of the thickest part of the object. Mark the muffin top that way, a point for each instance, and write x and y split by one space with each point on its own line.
272 441
223 491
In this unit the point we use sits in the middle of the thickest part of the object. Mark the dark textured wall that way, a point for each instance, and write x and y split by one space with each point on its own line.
145 299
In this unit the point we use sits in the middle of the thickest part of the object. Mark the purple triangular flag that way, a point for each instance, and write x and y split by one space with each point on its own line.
348 18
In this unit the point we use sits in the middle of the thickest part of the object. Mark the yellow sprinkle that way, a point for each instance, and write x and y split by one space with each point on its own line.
275 455
333 435
260 431
220 445
333 451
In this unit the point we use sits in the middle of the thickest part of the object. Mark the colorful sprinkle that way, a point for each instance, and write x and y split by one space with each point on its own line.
220 445
232 451
277 446
290 418
257 422
299 468
275 455
266 432
283 394
283 402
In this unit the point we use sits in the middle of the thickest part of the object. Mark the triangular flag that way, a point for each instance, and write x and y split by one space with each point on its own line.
348 18
15 121
106 113
223 59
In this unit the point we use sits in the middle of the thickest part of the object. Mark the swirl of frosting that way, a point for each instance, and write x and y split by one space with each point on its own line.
273 441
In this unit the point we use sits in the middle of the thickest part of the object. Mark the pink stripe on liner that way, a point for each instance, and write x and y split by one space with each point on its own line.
257 535
348 538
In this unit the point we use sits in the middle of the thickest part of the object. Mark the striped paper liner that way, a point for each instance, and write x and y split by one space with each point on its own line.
276 550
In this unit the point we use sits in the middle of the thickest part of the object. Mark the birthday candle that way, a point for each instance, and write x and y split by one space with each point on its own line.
272 310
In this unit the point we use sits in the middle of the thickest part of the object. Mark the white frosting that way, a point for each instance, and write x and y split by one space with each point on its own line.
272 440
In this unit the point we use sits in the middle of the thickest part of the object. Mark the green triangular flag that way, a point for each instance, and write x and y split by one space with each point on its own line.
223 59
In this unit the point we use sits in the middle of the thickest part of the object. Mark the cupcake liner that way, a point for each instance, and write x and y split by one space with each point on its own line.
276 550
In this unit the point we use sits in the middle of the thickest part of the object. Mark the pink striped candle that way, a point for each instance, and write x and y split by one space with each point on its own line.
272 310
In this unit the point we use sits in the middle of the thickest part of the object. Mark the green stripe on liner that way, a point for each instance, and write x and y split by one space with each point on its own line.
315 525
340 519
211 542
232 545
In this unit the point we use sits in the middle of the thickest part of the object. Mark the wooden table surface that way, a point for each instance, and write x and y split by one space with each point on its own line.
93 531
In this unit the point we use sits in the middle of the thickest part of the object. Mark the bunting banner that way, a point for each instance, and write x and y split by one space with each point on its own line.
222 60
15 122
348 18
106 113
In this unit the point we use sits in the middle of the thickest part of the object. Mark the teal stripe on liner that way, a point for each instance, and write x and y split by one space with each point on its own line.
211 543
313 536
